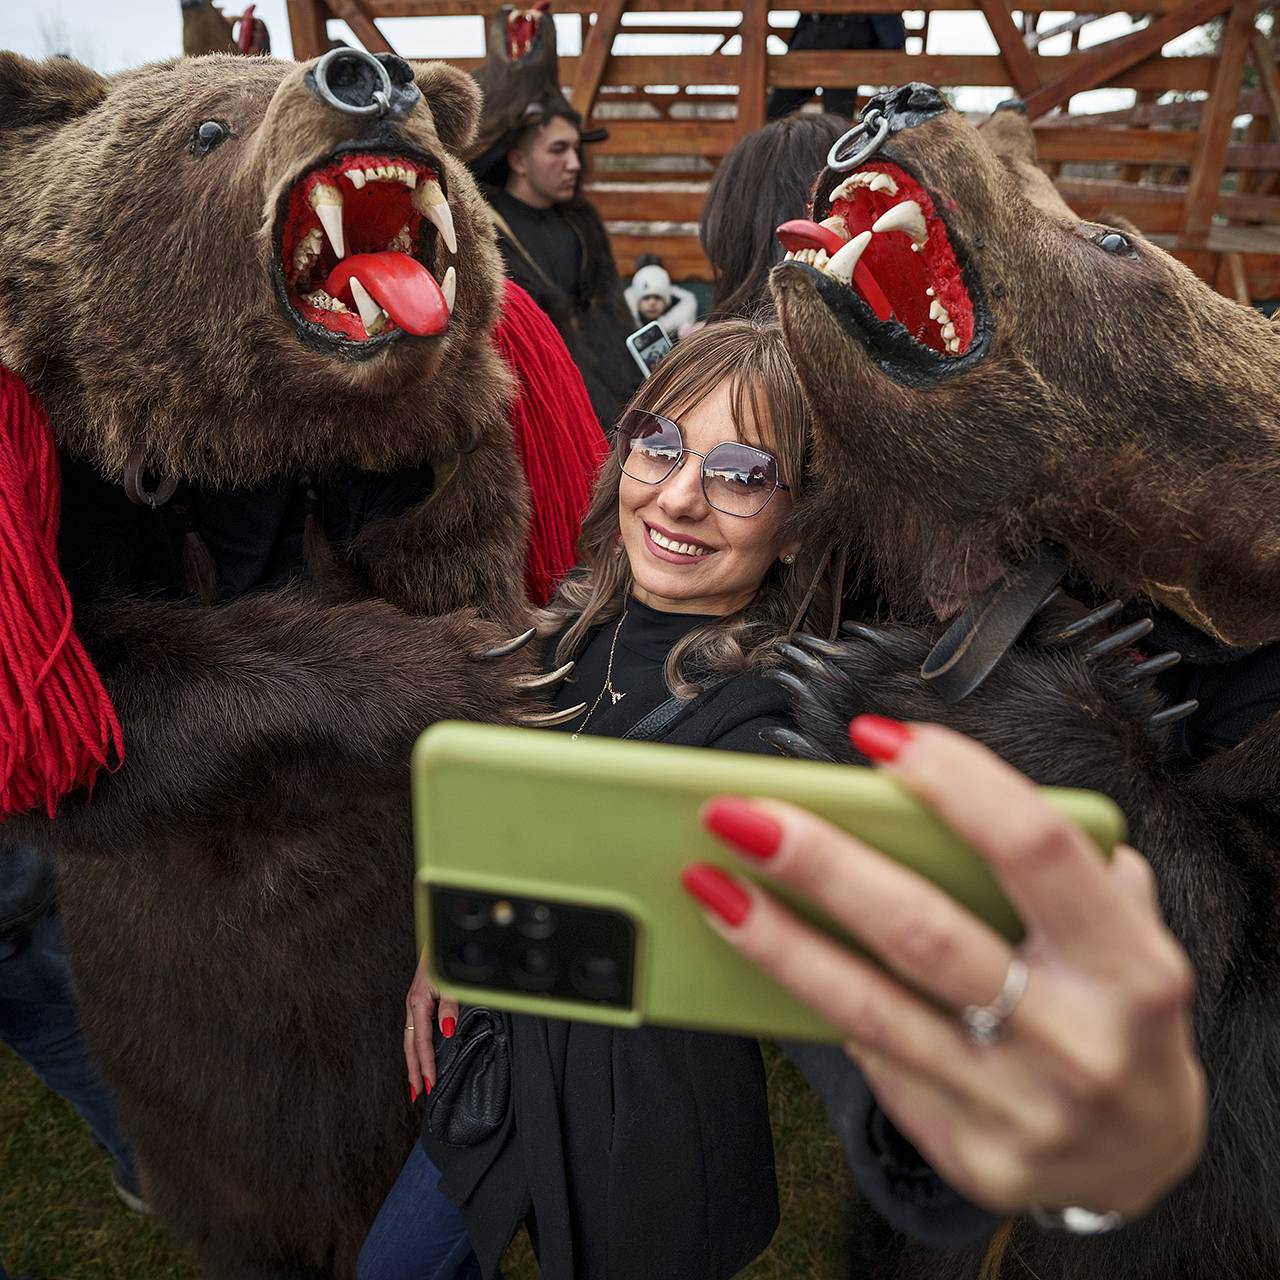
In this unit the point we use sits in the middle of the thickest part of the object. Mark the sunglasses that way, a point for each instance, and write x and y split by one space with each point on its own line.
737 479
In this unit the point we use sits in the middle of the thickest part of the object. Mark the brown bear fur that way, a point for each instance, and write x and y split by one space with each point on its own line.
1119 408
510 84
206 29
237 895
1123 410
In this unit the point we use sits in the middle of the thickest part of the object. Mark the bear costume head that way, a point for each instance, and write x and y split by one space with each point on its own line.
990 374
185 265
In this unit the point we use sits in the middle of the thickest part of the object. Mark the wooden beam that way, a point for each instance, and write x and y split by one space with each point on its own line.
711 138
455 8
1021 62
1215 124
307 29
1117 146
595 56
352 13
1034 39
803 68
1264 64
1097 69
1231 279
754 61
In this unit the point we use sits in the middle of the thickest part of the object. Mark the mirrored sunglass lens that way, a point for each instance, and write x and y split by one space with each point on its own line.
739 480
649 447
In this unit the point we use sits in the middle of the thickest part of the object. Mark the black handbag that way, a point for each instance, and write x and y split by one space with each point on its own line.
472 1092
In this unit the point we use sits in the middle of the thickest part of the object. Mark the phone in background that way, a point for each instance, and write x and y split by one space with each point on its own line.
648 346
549 873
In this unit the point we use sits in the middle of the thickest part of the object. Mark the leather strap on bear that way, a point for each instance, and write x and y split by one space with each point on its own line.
57 725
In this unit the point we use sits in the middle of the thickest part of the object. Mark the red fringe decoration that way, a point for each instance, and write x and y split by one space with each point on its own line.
57 725
560 441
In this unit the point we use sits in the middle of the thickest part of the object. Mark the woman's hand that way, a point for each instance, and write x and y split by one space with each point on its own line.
1094 1096
421 1005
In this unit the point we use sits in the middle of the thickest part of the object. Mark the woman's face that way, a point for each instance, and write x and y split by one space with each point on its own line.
732 554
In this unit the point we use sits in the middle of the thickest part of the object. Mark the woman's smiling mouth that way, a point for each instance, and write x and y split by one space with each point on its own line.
675 550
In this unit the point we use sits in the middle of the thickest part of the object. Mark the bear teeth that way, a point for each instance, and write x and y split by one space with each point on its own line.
326 301
382 173
326 200
429 201
864 178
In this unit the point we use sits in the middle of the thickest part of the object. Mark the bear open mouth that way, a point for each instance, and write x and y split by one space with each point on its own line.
523 30
355 237
887 268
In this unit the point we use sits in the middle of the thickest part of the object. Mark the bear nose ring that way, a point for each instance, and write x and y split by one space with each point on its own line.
352 81
874 125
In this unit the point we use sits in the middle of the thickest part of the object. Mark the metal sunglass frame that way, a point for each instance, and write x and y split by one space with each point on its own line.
621 435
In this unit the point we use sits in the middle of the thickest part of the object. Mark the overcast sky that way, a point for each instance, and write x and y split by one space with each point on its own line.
112 34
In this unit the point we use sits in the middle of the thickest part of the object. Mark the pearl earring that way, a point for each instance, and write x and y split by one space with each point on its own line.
789 558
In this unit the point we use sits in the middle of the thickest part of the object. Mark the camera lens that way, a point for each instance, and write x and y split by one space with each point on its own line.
538 921
536 969
473 962
596 976
468 911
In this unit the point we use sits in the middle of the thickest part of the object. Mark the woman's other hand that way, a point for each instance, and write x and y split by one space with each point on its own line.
421 1005
1094 1096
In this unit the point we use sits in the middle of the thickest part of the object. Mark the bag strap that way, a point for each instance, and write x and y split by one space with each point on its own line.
665 714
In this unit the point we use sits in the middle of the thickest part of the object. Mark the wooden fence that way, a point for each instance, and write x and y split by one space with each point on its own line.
1193 162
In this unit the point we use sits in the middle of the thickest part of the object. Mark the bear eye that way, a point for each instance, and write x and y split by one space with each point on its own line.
1114 242
210 134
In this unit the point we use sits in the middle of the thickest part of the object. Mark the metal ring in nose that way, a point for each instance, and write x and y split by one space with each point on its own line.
381 103
874 124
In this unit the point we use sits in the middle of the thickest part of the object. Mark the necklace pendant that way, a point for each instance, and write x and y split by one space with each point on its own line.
617 697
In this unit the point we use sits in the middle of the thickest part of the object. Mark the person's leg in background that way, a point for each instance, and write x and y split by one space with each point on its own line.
418 1233
40 1022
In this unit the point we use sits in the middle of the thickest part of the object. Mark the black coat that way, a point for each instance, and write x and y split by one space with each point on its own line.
647 1153
639 1153
595 320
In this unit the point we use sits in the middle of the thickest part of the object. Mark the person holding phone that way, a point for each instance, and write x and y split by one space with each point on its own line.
643 1153
639 1153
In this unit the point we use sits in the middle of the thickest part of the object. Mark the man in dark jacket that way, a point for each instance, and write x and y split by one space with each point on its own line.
555 246
836 31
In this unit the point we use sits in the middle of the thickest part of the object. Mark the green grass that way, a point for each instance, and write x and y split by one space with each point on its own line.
59 1217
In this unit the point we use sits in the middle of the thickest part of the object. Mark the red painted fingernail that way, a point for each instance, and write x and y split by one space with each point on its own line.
878 737
717 891
749 830
413 1093
447 1027
426 1086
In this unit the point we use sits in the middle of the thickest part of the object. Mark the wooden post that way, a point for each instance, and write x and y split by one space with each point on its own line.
1215 126
1231 280
353 14
1096 69
1019 60
753 59
595 55
308 29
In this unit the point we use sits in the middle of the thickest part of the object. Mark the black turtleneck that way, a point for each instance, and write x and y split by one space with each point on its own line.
732 716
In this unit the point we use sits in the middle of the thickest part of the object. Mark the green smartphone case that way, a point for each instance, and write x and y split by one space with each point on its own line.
607 823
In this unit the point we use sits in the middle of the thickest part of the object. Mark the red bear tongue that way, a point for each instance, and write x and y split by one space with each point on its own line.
399 284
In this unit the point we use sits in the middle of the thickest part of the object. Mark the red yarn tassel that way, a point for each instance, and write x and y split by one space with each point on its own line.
559 439
57 725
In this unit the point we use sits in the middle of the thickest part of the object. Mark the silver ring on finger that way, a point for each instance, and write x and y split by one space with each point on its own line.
984 1024
409 1026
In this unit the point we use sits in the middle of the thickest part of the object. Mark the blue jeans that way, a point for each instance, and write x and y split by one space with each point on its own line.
418 1233
40 1022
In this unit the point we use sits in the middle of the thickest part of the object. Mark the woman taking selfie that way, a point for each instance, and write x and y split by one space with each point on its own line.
646 1153
633 1154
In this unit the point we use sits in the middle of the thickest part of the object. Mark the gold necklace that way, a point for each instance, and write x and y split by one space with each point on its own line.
607 687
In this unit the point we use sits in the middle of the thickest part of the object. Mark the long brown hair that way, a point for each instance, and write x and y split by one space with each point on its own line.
765 394
765 180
